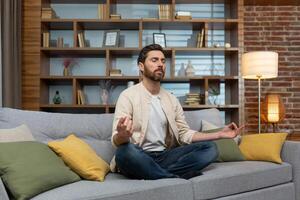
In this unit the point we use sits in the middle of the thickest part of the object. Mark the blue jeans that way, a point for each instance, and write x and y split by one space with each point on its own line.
181 162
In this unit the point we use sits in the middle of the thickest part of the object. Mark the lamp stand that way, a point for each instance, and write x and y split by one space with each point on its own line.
259 79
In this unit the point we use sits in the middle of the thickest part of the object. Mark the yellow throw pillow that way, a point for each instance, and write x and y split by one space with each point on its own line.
264 147
81 158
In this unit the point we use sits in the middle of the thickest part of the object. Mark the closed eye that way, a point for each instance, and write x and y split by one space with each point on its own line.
156 59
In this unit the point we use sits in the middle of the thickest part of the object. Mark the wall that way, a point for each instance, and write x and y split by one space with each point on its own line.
275 28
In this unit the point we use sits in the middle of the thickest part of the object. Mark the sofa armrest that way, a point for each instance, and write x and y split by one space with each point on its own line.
3 193
291 154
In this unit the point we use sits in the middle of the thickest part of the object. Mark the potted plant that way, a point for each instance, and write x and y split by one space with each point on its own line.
214 92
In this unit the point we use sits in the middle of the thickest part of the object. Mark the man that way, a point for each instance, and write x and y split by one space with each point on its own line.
153 139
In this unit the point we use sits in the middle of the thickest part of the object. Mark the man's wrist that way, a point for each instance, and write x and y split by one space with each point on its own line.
218 135
118 139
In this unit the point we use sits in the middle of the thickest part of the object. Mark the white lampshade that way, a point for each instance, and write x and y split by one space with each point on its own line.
260 64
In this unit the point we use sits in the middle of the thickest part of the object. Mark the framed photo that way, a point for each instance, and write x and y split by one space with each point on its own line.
111 38
159 38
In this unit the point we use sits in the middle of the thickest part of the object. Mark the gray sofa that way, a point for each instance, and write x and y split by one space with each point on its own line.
251 180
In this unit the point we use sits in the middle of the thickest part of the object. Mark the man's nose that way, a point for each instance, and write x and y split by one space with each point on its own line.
160 63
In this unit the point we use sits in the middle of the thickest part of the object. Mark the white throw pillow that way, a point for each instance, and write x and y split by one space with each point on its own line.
209 126
18 134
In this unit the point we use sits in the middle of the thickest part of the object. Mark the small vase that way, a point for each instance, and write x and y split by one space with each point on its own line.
189 71
104 97
213 100
56 99
66 71
181 71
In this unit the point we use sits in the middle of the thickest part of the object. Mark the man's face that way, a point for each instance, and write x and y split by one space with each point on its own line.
154 67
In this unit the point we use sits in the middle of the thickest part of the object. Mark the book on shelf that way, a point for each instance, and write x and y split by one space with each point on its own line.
115 16
102 11
46 39
183 15
48 13
80 97
81 40
149 18
60 42
115 72
164 11
200 38
192 99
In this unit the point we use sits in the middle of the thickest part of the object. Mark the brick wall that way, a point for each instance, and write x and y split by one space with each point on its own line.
275 28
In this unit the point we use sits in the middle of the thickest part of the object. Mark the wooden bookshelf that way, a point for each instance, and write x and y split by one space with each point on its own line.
95 60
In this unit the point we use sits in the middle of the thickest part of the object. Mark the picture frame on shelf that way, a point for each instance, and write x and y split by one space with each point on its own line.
111 38
159 38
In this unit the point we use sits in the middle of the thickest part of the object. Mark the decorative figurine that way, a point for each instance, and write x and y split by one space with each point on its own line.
181 71
227 45
57 99
190 71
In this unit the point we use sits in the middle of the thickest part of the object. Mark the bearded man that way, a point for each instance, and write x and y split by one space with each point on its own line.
152 138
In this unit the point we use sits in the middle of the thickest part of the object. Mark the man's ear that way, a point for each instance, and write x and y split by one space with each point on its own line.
141 67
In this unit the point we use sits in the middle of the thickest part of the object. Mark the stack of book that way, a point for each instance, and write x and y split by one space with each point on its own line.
164 11
101 11
81 40
192 99
48 13
115 72
80 98
184 15
46 39
200 38
115 16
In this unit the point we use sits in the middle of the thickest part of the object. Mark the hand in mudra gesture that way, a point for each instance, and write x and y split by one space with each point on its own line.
125 128
230 131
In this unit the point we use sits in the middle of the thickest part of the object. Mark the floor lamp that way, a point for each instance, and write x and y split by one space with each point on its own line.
259 65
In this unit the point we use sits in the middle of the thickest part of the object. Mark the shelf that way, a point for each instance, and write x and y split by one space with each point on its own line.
113 105
77 1
211 106
54 51
176 79
122 50
196 78
74 106
56 21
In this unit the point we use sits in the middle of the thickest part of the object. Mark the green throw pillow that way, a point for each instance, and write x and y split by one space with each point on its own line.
29 168
228 149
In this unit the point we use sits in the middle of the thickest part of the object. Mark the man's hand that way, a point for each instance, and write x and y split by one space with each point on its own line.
125 130
230 131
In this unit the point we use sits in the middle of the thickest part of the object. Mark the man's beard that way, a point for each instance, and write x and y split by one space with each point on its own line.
152 75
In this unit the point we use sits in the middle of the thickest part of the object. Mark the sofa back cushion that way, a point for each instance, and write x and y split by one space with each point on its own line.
194 118
52 126
95 129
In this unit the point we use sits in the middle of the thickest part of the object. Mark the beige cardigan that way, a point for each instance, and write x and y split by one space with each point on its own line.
135 101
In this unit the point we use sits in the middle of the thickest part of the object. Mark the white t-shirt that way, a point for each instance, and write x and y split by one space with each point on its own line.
157 127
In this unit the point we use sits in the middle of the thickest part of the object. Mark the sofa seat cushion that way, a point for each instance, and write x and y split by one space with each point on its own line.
223 179
117 187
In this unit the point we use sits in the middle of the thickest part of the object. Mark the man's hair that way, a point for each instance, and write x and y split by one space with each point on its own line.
143 53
